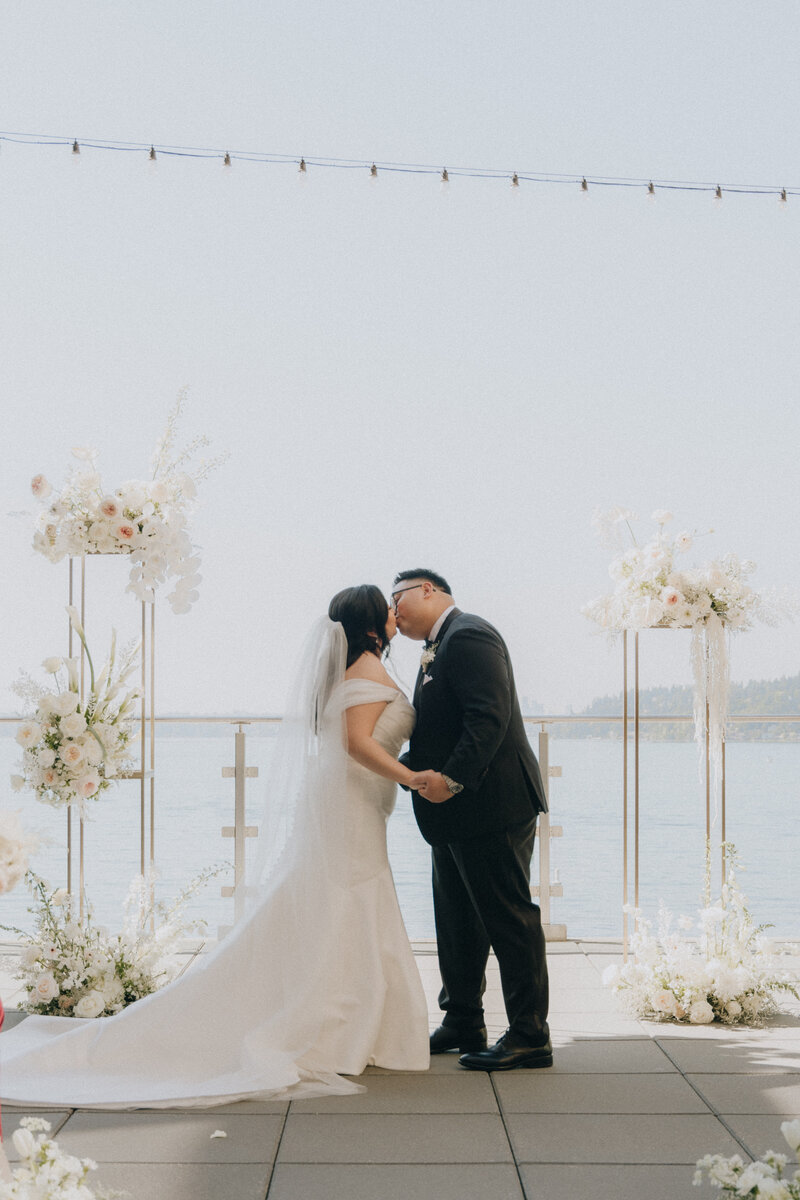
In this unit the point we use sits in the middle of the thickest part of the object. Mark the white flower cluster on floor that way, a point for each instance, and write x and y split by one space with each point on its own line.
45 1172
15 846
651 591
74 751
763 1179
726 974
147 519
72 968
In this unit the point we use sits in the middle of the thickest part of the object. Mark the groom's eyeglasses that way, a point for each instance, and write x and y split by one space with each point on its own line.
396 595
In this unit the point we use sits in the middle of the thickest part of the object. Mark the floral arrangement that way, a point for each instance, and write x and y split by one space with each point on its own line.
724 975
72 968
763 1178
147 520
73 750
45 1173
652 591
15 846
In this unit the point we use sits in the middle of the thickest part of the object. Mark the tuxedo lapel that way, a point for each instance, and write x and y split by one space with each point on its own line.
438 641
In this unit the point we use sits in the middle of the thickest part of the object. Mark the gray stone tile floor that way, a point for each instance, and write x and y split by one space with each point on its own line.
625 1111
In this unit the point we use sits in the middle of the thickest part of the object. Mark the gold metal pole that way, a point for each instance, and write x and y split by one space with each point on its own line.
708 775
152 734
624 793
724 826
143 746
81 818
69 806
636 771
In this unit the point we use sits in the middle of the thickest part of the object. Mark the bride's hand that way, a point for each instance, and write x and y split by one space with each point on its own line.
416 780
433 787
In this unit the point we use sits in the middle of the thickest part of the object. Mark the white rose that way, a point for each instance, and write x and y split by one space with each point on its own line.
701 1013
46 756
88 784
670 598
28 734
17 783
45 987
59 897
733 1009
90 1005
110 508
159 492
24 1143
52 665
40 486
125 532
791 1132
664 1001
64 703
45 706
73 725
71 754
49 777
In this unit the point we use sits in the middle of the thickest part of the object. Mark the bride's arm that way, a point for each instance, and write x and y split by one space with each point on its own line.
361 745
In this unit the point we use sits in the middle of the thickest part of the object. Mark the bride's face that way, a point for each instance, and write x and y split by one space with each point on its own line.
391 623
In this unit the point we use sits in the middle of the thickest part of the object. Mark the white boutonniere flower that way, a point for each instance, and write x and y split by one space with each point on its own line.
428 656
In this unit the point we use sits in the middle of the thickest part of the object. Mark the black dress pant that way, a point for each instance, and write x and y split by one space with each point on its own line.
482 899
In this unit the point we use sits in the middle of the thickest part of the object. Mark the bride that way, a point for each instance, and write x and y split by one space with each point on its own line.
318 980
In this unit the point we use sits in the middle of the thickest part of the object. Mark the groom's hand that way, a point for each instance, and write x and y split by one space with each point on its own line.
433 787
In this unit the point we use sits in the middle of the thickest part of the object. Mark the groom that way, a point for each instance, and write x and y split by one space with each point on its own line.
478 810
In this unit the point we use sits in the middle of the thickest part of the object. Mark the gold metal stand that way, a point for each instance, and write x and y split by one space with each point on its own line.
146 771
637 720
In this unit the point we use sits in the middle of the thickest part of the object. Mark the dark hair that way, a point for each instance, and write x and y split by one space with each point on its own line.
438 581
363 612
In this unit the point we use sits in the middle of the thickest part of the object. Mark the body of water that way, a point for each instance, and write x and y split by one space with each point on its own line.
193 802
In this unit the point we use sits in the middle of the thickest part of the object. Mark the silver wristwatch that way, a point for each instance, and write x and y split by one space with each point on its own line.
454 787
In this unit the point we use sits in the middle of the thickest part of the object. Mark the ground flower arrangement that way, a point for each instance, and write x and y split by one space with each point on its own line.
73 749
45 1172
74 968
724 973
765 1178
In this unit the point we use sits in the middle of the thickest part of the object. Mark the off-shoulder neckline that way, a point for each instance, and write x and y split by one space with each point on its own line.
374 683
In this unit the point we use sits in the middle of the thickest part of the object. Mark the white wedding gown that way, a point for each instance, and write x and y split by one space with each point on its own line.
289 1002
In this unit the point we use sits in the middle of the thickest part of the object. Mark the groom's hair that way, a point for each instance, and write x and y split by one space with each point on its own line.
438 581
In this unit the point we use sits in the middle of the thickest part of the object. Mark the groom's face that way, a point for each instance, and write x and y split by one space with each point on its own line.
412 606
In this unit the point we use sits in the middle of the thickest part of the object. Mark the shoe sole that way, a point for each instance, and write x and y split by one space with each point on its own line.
530 1063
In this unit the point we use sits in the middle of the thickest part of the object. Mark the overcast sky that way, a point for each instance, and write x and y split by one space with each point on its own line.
404 374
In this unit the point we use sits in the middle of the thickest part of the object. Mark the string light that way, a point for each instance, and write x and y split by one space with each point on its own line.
516 177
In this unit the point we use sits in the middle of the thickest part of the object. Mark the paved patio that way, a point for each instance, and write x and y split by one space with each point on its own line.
624 1113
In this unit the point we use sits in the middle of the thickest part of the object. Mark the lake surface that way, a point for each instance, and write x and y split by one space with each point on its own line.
193 802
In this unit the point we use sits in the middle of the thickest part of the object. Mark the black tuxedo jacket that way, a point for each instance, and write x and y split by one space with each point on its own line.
469 727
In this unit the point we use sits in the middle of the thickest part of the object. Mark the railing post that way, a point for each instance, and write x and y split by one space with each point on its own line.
239 831
547 887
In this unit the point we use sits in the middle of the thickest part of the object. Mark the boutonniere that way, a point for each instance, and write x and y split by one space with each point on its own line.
428 655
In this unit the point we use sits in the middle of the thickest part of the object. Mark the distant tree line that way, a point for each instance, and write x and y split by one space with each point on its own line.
763 696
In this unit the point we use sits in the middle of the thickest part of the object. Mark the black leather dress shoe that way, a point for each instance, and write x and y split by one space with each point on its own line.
444 1038
506 1054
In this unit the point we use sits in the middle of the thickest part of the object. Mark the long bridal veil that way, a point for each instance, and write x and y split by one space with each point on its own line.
255 1016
